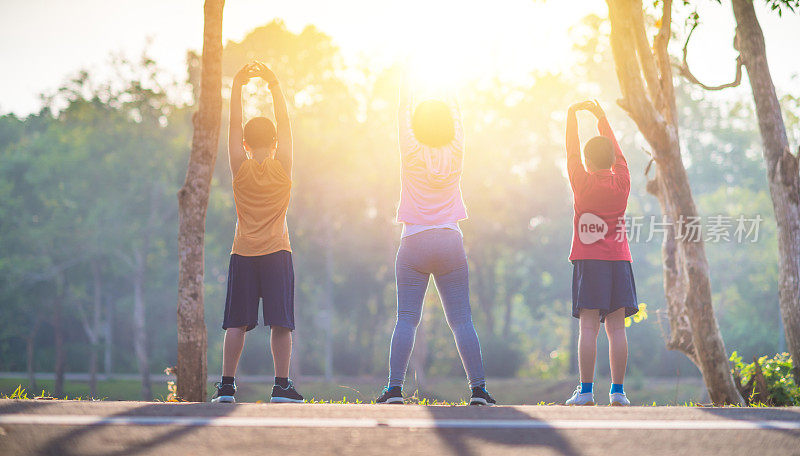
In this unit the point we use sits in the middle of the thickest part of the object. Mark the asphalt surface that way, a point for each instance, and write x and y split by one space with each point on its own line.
144 428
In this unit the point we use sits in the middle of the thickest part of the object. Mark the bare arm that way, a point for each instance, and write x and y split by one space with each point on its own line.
285 151
236 153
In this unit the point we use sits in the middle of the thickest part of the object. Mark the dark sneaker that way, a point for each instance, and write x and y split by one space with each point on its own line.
288 394
393 395
481 397
224 393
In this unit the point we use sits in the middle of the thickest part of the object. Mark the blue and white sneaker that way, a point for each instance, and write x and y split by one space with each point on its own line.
579 398
225 393
288 394
618 400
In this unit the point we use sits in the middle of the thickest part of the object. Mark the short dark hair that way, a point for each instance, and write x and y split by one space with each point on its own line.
600 151
259 132
432 123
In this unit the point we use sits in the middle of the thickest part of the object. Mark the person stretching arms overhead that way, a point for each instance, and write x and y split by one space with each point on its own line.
603 289
261 256
432 151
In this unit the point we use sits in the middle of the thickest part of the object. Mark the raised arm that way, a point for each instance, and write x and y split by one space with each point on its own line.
575 170
404 106
285 152
455 109
620 167
236 152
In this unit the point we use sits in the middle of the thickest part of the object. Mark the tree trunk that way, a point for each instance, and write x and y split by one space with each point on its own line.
94 334
58 334
192 205
30 346
486 287
139 324
782 171
327 306
680 337
645 79
508 312
108 338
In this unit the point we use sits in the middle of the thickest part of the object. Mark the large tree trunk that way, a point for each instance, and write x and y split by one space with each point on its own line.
645 79
782 171
192 205
139 323
680 337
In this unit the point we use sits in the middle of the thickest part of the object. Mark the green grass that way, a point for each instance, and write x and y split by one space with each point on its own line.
641 391
124 390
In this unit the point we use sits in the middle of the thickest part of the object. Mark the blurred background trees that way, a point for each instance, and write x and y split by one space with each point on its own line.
88 219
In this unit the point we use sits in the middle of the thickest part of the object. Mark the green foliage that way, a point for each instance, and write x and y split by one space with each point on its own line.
96 176
774 5
781 389
779 5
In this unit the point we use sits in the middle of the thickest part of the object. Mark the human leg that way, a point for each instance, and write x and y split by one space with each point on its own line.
241 315
453 288
617 345
587 343
411 287
281 347
232 350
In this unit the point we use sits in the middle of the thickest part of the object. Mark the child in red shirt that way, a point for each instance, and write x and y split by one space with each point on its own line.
603 289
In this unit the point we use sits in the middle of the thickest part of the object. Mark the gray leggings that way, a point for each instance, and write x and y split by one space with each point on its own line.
439 252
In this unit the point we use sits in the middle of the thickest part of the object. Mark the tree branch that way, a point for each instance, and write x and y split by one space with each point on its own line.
635 99
660 44
125 258
684 70
87 328
647 60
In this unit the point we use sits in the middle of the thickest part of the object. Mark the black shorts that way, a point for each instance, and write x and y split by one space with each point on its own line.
604 285
251 278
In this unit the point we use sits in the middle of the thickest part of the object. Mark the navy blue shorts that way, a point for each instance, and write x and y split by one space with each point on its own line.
253 278
604 285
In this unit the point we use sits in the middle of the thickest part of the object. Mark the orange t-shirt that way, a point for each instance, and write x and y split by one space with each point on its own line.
261 192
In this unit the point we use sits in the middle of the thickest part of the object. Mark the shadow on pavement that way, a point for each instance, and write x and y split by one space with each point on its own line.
67 443
8 406
461 440
757 414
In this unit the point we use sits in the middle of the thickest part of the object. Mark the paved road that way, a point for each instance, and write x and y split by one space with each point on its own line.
117 428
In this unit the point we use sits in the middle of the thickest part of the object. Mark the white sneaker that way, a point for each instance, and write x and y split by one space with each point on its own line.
618 399
579 398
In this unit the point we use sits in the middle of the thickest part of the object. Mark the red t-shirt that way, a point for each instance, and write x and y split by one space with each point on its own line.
601 197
